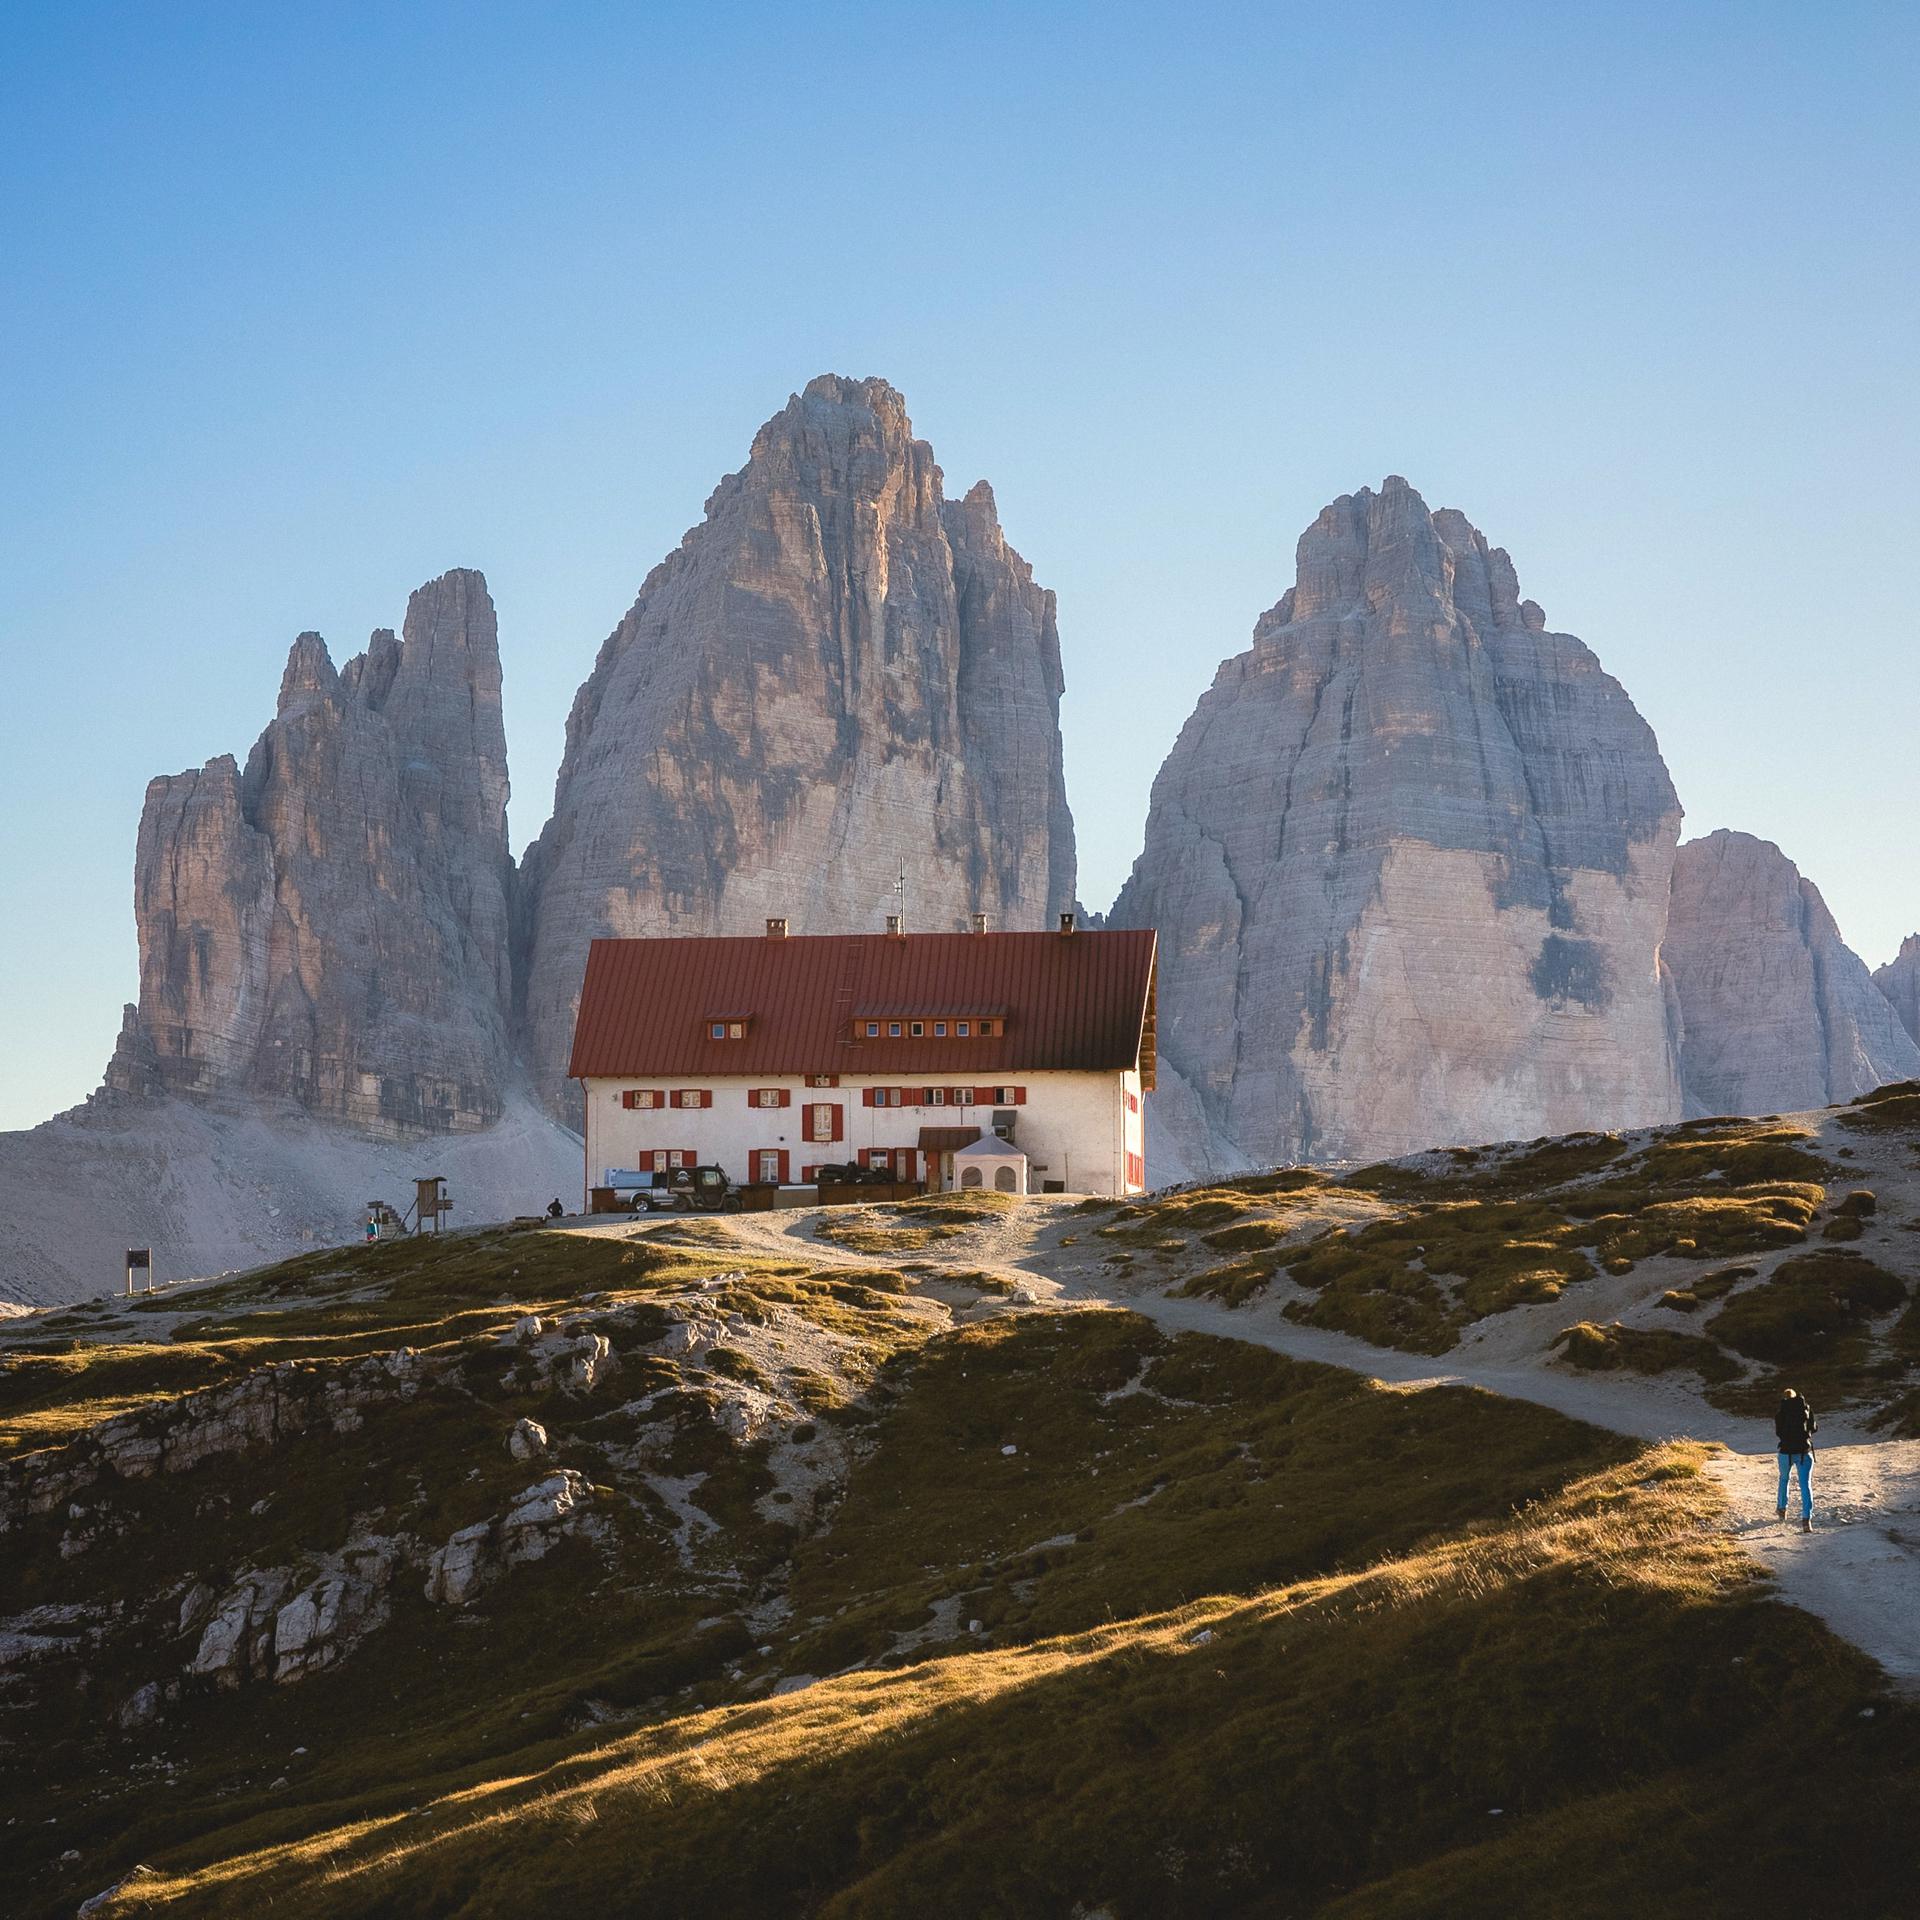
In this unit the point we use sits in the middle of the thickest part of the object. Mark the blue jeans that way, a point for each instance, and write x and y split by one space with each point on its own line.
1804 1461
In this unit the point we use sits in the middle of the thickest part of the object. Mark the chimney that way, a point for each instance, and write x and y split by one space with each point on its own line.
776 926
1066 923
977 922
895 926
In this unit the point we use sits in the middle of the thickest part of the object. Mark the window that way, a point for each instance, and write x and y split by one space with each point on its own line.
917 1028
823 1079
1003 1180
643 1098
726 1029
893 1029
767 1096
969 1176
873 1029
822 1121
963 1096
939 1029
717 1031
884 1097
770 1166
693 1097
936 1096
961 1029
1009 1096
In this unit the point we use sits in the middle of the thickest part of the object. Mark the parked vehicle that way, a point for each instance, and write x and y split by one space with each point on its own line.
689 1190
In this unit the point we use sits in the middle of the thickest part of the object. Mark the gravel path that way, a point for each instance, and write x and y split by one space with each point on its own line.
1859 1570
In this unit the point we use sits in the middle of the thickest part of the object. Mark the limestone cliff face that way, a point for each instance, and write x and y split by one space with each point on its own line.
840 674
1778 1014
331 924
1899 980
1409 860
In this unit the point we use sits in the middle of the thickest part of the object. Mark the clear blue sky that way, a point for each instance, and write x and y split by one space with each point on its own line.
300 306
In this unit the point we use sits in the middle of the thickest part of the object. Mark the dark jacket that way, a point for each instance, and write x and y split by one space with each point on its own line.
1794 1425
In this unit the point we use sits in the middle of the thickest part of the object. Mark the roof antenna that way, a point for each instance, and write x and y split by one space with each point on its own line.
900 891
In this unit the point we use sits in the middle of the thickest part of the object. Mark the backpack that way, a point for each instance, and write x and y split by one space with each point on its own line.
1794 1424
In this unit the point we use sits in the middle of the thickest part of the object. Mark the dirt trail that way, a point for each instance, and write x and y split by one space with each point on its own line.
1859 1570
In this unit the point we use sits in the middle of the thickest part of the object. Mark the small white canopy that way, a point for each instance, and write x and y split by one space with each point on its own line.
991 1162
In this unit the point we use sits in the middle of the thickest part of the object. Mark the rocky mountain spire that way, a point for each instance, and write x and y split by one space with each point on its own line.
1777 1013
1409 861
331 924
1899 980
840 675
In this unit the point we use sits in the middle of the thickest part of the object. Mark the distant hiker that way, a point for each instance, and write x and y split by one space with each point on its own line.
1793 1426
555 1210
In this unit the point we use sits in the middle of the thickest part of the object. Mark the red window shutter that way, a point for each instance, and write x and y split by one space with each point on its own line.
839 1121
866 1095
706 1096
1019 1096
626 1099
786 1096
783 1166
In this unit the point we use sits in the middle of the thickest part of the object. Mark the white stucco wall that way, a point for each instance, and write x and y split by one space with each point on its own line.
1073 1127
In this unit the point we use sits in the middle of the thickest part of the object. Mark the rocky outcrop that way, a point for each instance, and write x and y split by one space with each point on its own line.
1899 980
1777 1014
330 925
840 675
530 1529
1409 862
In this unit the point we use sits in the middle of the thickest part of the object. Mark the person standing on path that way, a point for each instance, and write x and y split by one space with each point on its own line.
1793 1427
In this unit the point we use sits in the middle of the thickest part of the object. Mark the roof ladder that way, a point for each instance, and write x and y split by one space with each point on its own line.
843 995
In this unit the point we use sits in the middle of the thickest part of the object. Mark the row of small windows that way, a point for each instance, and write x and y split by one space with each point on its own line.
921 1029
970 1028
652 1099
943 1096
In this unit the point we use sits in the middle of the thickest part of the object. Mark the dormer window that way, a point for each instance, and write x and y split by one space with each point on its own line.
962 1028
917 1028
939 1029
873 1029
893 1029
726 1029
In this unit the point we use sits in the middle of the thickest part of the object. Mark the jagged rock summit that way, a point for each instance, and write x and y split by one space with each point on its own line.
1899 980
1777 1013
1409 861
840 675
330 926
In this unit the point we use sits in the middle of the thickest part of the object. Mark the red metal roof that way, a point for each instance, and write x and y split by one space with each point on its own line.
1076 1002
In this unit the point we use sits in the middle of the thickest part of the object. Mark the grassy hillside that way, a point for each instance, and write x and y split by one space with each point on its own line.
1787 1250
869 1593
